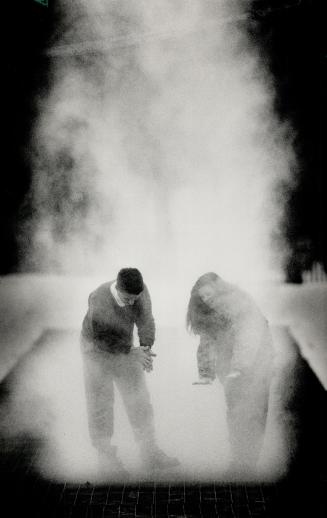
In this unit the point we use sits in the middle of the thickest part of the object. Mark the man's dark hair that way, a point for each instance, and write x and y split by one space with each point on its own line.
130 280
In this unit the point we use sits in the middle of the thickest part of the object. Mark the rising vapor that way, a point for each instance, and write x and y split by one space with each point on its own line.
157 145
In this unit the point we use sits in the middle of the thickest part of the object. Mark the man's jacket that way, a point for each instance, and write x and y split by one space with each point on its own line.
109 327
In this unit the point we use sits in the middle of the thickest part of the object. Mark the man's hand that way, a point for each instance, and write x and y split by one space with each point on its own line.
151 354
143 355
203 381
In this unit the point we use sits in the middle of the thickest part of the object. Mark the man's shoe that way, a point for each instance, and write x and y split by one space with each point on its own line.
239 471
110 465
158 460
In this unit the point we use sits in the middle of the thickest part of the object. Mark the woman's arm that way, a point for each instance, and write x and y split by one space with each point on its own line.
206 359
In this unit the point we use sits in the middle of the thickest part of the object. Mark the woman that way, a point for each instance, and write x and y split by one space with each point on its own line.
235 347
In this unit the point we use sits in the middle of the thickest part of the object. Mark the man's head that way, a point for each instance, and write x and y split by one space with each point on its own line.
129 285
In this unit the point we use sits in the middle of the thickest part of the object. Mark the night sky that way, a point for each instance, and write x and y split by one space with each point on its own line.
290 36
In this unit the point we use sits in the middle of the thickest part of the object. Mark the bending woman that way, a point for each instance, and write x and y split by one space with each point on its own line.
235 347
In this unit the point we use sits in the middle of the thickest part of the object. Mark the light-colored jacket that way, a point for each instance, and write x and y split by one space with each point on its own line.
241 342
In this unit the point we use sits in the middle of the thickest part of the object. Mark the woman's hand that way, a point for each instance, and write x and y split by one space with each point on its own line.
203 381
143 355
233 386
233 374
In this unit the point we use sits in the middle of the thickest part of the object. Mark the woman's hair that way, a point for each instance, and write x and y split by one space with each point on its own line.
199 316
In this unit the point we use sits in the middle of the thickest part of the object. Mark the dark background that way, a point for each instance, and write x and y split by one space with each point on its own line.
290 35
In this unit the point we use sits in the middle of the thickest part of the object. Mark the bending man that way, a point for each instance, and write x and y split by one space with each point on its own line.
110 359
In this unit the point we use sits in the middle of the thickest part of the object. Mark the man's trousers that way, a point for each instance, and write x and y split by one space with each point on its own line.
102 372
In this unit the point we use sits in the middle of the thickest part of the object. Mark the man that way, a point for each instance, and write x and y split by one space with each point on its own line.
111 359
